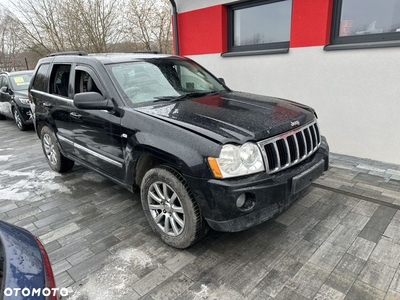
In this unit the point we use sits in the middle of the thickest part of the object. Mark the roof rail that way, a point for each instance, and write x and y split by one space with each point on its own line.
146 52
80 53
4 72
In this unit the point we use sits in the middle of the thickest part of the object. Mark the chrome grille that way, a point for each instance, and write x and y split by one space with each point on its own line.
290 148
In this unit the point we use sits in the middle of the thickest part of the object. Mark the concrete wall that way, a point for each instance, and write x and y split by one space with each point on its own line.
356 93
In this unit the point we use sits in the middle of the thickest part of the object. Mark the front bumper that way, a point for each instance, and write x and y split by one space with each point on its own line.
267 195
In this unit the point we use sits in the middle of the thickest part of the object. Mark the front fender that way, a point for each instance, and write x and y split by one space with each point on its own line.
187 160
184 150
184 155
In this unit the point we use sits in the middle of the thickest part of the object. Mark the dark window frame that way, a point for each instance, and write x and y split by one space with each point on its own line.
253 49
356 39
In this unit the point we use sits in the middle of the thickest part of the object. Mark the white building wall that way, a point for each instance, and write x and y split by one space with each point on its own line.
188 5
356 93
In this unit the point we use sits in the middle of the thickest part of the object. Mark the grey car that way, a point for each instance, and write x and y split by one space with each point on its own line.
14 102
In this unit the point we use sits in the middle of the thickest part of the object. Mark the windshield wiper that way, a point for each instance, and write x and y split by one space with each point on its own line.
169 98
184 96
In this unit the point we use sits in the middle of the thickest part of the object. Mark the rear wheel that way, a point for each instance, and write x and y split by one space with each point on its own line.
55 159
170 209
18 120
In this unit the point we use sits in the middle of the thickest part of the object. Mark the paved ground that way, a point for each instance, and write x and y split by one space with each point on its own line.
342 241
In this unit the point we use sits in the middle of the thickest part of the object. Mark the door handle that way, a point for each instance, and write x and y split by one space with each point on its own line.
75 115
47 104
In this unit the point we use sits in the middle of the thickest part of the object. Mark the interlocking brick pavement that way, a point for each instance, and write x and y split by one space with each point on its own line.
341 241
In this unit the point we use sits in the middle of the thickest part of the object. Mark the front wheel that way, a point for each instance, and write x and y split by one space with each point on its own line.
55 159
171 211
2 117
18 120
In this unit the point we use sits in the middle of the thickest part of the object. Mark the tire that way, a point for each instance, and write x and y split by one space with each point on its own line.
18 120
55 159
2 117
171 210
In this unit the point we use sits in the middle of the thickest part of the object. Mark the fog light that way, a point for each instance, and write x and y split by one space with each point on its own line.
241 200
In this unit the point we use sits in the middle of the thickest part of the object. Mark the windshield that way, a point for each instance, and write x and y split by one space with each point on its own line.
20 82
144 82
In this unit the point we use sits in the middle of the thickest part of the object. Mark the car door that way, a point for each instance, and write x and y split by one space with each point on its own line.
58 103
96 133
5 97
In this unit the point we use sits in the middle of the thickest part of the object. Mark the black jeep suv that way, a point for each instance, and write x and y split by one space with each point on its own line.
201 154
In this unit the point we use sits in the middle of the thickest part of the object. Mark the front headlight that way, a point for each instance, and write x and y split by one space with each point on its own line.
24 101
236 161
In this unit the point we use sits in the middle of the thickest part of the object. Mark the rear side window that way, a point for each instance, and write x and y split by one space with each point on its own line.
59 80
39 83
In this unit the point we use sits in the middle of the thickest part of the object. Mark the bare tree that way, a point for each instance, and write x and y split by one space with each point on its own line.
41 24
149 24
9 43
57 25
94 25
38 27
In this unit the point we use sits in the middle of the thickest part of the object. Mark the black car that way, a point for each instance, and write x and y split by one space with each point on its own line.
14 102
201 154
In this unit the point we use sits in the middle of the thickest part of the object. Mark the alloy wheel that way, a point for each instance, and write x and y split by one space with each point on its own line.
166 208
17 118
49 149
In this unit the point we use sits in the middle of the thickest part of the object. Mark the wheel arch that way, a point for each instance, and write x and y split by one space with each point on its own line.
39 124
149 160
13 108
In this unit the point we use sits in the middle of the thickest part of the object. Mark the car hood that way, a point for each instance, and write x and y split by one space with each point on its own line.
233 116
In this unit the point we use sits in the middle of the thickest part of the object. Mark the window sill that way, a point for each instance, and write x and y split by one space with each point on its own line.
368 45
255 52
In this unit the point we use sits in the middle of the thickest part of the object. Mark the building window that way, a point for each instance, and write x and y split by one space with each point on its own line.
259 25
361 21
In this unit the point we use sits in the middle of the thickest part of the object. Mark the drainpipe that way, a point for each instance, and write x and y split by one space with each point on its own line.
175 18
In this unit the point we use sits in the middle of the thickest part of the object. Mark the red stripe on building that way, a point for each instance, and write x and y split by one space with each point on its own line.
203 31
311 23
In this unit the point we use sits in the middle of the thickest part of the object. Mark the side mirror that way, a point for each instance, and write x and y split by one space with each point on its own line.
222 80
4 89
92 100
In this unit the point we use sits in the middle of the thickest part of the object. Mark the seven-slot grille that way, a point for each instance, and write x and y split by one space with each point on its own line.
290 148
